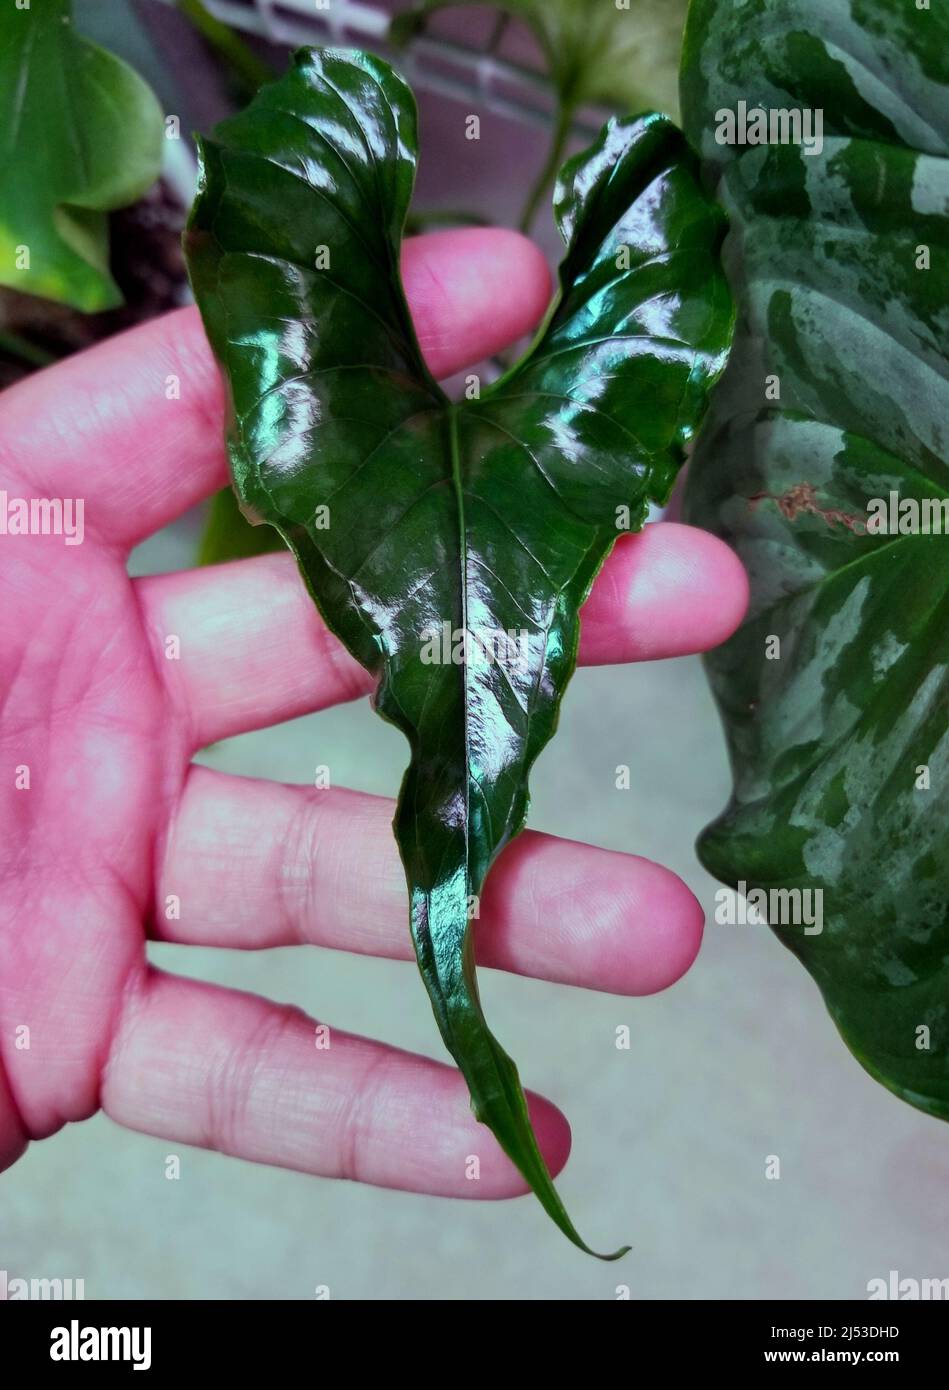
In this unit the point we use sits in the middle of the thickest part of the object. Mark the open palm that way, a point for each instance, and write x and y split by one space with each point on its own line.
104 820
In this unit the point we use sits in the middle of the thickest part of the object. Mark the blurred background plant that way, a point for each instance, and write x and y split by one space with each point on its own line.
95 180
623 56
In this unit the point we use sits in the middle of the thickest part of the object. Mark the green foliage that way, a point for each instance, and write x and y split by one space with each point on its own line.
229 536
839 260
80 135
595 52
411 515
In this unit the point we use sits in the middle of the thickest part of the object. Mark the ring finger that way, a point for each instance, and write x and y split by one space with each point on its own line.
254 864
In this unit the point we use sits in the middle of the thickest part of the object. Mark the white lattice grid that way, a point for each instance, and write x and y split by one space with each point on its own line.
435 64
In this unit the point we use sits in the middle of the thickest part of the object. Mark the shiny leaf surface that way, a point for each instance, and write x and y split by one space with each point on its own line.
839 259
80 134
450 545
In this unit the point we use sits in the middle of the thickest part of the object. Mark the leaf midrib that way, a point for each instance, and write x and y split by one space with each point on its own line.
458 484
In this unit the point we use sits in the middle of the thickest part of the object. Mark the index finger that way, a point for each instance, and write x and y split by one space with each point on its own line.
135 426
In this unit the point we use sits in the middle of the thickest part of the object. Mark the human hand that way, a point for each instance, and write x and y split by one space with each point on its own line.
115 817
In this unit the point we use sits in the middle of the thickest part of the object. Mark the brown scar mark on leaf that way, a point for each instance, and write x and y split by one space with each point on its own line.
801 498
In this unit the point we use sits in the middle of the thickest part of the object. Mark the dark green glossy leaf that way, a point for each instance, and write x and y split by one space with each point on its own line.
80 134
828 743
490 516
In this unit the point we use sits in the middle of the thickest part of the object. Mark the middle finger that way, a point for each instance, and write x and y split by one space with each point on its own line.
254 651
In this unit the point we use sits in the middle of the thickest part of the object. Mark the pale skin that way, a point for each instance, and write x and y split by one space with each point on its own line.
116 817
